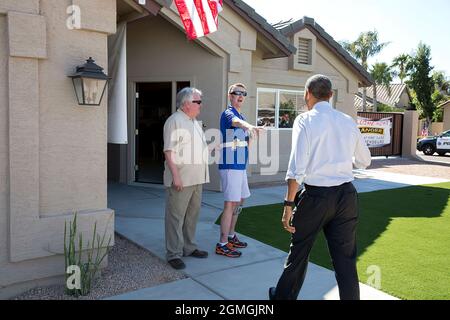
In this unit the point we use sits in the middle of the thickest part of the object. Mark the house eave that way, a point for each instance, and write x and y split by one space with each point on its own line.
365 79
276 38
150 6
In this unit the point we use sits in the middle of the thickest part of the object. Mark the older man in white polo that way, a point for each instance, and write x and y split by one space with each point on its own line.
186 170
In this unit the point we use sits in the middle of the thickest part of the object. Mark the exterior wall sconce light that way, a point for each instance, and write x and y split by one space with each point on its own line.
89 83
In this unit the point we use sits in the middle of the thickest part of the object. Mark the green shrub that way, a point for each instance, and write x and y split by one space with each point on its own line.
88 265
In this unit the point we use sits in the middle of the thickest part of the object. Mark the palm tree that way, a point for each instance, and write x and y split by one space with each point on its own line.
401 62
382 75
364 47
440 82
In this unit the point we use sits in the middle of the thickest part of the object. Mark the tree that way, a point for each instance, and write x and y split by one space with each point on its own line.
385 108
440 95
440 82
400 63
382 75
364 47
421 81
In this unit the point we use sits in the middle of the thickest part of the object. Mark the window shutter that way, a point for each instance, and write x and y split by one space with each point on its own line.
304 51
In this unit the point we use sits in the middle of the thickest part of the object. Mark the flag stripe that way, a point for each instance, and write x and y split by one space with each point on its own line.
214 10
202 15
186 18
212 25
199 17
195 18
216 7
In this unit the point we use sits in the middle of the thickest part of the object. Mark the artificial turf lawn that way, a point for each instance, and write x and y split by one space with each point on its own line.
405 232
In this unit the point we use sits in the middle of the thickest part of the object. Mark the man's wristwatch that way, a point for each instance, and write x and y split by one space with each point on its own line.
288 203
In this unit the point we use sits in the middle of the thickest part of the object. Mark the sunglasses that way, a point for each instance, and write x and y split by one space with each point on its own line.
197 101
239 93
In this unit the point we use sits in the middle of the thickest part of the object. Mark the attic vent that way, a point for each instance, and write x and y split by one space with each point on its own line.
304 51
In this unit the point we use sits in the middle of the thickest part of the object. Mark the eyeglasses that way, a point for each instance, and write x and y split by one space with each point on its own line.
239 93
197 101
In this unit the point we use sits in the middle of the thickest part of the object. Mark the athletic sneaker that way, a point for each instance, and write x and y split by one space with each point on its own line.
227 250
236 243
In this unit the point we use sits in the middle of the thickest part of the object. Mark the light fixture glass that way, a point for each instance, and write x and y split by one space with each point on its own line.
89 83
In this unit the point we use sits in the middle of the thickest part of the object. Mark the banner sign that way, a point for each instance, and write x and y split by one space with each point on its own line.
376 133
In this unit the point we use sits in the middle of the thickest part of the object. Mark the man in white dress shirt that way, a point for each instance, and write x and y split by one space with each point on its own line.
325 145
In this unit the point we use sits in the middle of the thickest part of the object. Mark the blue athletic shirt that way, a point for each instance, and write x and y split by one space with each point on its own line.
232 158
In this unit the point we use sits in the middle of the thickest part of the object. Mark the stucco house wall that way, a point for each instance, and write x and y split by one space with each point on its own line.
176 59
52 151
404 100
446 116
4 148
211 63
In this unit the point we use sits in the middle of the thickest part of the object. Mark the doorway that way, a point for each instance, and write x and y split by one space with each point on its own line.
154 104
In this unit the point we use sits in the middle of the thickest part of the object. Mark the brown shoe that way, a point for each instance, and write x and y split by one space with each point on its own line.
199 254
177 264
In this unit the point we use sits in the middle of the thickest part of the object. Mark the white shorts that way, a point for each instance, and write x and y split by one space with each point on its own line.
234 184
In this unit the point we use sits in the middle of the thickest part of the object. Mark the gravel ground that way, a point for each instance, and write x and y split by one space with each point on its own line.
129 268
412 166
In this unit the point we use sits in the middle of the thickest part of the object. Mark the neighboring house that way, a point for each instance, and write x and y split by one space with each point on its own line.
359 102
54 155
446 115
435 128
396 96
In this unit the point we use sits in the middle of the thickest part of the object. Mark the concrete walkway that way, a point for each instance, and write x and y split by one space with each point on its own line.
140 218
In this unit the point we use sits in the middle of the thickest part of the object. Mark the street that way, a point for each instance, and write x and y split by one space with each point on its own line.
434 158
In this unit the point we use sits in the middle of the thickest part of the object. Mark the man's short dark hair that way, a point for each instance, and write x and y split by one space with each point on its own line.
319 86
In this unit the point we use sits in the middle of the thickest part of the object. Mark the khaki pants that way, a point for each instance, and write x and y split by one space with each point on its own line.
182 210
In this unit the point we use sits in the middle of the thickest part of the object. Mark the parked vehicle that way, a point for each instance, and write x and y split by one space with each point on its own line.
439 144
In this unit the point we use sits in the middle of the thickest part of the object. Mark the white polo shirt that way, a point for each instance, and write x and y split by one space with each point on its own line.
185 137
325 145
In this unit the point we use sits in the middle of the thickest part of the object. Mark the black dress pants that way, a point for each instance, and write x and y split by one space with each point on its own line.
335 210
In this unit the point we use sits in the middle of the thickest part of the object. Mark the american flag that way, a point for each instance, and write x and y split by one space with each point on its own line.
199 17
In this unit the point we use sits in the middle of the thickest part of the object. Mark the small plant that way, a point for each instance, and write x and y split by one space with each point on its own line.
89 265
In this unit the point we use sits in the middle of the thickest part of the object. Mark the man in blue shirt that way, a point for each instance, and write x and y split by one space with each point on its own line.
232 167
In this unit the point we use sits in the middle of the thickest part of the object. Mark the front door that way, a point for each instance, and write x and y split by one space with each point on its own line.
154 101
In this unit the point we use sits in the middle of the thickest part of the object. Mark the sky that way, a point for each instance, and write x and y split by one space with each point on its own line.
402 23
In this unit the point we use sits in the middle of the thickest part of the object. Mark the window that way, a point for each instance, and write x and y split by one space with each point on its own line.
278 108
266 105
304 51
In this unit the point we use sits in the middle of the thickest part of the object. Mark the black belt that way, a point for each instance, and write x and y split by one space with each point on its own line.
310 187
